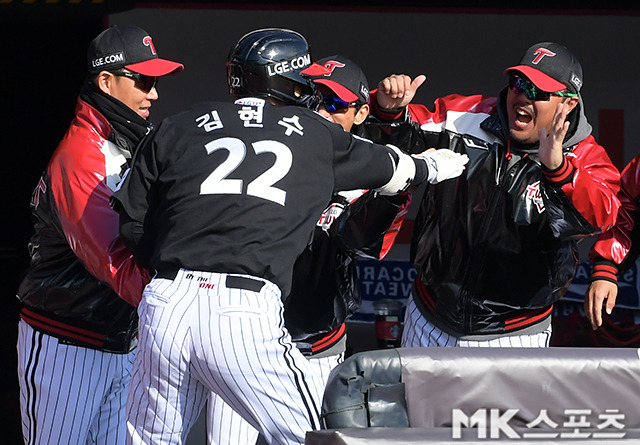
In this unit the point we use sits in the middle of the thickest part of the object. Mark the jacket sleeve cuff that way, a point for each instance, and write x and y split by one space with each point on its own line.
561 175
388 114
604 270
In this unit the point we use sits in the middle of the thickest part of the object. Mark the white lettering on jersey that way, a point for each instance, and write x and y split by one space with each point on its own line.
251 115
210 121
292 124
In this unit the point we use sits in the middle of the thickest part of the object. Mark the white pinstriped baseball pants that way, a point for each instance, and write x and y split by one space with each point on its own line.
226 427
70 394
197 336
418 332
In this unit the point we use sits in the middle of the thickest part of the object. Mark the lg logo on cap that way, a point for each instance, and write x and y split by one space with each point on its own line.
332 65
148 42
540 53
111 58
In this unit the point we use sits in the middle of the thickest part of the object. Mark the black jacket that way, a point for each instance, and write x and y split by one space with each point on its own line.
496 247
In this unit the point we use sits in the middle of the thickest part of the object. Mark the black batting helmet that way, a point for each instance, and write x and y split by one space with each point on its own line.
267 63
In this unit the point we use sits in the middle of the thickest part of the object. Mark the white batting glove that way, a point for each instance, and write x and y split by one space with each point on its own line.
443 164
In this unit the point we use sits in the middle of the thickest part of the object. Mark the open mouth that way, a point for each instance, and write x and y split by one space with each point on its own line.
523 116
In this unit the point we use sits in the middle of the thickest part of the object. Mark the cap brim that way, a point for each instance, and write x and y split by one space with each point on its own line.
156 67
341 91
315 69
539 79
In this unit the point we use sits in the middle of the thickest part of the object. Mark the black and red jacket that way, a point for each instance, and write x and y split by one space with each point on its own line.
79 265
616 250
496 247
325 289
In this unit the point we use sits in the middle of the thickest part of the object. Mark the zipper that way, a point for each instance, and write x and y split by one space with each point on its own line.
478 256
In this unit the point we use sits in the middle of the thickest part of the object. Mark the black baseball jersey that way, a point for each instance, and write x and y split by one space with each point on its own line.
238 187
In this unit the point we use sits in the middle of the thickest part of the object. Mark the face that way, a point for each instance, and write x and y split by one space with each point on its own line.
526 116
346 117
128 91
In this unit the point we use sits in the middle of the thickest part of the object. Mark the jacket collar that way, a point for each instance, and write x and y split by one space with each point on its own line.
127 127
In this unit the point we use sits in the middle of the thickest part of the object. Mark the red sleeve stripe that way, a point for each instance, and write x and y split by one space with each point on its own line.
562 173
605 271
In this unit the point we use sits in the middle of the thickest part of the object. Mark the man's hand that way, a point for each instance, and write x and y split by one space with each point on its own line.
550 151
599 290
443 164
397 90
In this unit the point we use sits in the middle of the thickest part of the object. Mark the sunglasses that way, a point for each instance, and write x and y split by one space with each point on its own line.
333 104
532 92
144 83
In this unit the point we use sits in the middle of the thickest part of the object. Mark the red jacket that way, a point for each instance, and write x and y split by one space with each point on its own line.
79 264
614 246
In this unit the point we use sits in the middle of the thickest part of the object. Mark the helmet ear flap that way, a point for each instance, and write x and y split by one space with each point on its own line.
235 79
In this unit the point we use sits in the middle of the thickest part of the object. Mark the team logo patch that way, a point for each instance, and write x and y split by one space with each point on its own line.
576 81
364 91
540 53
332 65
534 195
148 42
329 215
250 101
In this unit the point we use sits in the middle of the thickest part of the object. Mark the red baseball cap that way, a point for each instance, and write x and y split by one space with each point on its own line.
551 67
342 76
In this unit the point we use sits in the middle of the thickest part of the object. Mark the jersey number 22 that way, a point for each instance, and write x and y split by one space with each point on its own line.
262 186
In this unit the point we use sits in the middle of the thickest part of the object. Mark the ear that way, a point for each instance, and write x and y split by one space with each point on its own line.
362 114
571 103
104 81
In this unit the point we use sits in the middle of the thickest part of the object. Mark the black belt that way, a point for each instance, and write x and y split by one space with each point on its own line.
168 273
236 282
232 281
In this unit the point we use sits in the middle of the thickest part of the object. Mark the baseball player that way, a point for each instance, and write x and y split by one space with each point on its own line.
325 289
491 266
76 335
219 202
